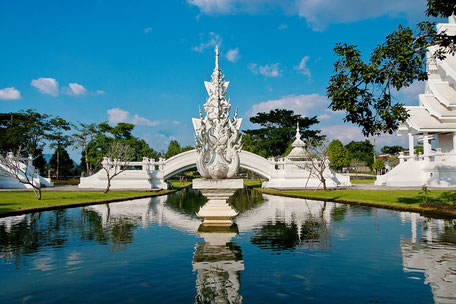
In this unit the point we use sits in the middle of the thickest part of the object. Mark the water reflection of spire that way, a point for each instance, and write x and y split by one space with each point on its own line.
218 263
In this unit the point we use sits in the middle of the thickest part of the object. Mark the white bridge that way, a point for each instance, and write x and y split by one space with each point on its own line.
151 174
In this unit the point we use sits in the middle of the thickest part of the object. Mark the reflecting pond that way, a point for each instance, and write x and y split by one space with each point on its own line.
281 250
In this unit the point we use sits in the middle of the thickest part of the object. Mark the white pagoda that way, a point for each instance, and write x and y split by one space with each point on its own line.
433 122
299 147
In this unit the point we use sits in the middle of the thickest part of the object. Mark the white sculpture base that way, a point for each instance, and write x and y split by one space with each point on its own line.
217 211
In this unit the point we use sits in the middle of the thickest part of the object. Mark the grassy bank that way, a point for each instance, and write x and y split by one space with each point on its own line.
362 181
16 202
437 202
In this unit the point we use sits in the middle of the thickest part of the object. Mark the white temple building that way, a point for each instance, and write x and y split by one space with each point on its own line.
433 122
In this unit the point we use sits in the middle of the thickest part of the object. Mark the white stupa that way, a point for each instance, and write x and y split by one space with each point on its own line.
433 122
299 151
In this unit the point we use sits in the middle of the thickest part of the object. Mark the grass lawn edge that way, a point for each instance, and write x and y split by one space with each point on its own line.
421 210
87 203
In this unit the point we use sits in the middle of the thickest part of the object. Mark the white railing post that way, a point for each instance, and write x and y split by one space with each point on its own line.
145 164
401 157
106 163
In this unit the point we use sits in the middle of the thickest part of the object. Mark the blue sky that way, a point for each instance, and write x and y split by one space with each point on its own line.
144 62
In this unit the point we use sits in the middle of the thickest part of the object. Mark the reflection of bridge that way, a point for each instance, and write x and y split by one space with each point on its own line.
148 174
274 209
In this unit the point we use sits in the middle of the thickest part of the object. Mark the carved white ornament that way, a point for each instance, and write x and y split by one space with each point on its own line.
217 138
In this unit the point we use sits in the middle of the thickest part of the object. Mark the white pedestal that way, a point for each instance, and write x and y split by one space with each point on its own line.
217 211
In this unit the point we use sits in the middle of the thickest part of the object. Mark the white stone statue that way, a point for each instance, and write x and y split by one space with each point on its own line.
217 138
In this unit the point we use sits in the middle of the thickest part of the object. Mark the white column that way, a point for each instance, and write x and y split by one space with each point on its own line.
454 141
426 146
411 145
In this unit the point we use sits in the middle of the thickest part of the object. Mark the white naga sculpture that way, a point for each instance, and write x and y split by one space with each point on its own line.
217 138
218 143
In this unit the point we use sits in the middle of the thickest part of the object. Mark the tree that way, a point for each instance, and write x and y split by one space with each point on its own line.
365 90
13 167
318 160
26 129
379 164
81 139
338 155
392 149
278 128
174 148
362 151
59 140
116 160
103 137
66 164
393 160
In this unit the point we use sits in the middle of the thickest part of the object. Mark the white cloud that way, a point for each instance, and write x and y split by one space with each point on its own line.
9 94
300 104
324 116
77 89
267 70
213 6
48 86
147 30
409 95
347 133
233 55
212 41
176 122
318 13
283 27
344 133
302 67
117 115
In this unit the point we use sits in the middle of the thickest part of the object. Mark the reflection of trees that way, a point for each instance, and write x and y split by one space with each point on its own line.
32 233
190 201
53 229
338 213
281 236
246 199
309 231
186 201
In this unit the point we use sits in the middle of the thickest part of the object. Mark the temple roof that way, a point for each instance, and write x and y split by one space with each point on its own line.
422 121
434 107
436 112
445 93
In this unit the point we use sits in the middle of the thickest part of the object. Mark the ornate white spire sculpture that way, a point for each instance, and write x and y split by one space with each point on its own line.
217 138
298 145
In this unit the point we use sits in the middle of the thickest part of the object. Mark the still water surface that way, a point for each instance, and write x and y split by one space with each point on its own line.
283 250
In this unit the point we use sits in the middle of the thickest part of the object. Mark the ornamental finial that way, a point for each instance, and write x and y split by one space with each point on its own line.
216 57
298 134
452 18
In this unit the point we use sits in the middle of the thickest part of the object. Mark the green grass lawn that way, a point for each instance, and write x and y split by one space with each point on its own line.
394 199
17 201
178 185
362 181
